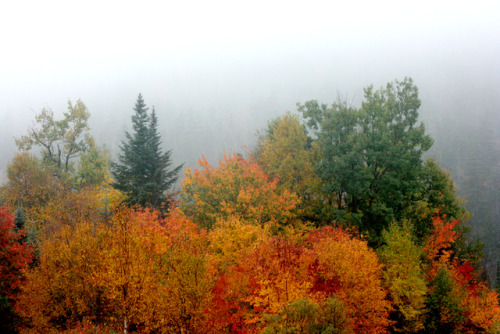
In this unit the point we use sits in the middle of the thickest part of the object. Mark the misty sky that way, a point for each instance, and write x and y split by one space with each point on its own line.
247 60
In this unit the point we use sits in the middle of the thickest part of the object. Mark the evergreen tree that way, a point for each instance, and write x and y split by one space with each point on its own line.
143 171
162 177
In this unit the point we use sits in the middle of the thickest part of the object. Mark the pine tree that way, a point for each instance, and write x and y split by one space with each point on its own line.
161 177
143 171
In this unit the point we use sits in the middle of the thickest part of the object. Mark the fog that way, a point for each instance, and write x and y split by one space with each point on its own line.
216 72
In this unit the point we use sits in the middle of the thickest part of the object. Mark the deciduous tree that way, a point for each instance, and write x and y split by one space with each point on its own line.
304 316
404 277
455 291
285 152
344 266
61 141
237 187
371 156
30 186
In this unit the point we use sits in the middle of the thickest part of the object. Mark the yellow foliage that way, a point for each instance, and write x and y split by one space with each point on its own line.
231 239
404 277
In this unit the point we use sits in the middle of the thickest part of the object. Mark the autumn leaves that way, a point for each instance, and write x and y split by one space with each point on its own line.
323 235
254 268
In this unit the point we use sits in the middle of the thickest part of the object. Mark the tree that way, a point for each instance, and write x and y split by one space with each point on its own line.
237 187
186 278
66 287
372 155
30 186
345 266
404 277
61 141
457 301
436 196
128 273
142 172
285 152
231 239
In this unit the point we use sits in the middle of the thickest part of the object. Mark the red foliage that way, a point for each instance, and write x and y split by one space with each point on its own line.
14 255
321 281
466 273
225 312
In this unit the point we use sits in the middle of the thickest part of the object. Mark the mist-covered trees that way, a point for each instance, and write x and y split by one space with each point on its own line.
143 171
67 149
60 141
257 245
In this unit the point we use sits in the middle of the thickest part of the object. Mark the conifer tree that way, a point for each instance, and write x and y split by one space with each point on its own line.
143 170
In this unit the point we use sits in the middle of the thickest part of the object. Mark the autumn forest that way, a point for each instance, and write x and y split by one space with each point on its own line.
333 223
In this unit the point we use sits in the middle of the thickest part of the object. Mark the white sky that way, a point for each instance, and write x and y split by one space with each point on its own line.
48 37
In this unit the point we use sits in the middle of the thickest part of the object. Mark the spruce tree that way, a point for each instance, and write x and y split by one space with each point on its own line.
143 171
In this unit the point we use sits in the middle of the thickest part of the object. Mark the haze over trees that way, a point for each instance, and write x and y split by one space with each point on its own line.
335 222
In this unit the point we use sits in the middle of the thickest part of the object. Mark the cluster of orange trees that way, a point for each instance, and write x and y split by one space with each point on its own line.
231 257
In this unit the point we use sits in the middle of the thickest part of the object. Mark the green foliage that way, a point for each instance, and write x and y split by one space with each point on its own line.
163 176
61 141
436 195
143 172
445 312
93 168
371 156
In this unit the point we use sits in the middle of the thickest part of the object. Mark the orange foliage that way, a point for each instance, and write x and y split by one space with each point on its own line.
66 286
185 278
438 245
237 187
268 277
129 273
481 310
285 269
345 266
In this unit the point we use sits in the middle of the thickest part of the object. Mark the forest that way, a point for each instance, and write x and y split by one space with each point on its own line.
337 221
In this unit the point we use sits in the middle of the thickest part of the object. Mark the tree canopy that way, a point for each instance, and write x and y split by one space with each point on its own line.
67 148
371 156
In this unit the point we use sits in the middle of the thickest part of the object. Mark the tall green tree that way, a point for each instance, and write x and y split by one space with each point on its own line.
372 156
143 171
